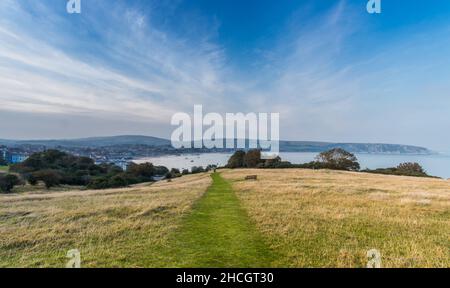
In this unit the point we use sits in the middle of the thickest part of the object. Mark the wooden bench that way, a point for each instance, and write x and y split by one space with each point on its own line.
251 177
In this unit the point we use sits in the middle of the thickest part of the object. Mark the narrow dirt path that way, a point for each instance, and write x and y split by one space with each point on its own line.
218 233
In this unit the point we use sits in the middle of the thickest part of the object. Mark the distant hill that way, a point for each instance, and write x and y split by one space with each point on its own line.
93 141
375 148
285 146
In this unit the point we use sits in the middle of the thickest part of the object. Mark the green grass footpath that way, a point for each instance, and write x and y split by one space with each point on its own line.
218 233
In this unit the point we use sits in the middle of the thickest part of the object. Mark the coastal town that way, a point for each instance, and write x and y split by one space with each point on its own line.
12 155
119 155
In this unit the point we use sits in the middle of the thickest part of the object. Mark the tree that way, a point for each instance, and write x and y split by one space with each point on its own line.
236 160
185 172
173 173
99 183
272 163
161 170
339 159
199 169
252 158
73 170
7 182
54 167
410 168
3 161
138 173
113 169
119 180
50 177
31 179
211 167
146 170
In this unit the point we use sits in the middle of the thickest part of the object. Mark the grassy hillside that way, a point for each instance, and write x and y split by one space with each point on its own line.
111 228
286 218
331 219
93 142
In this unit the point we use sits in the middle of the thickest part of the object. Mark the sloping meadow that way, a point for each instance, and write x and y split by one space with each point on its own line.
332 219
111 228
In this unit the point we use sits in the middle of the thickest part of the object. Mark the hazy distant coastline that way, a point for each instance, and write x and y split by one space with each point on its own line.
138 144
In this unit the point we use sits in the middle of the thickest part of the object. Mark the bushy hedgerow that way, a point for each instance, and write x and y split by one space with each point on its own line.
53 167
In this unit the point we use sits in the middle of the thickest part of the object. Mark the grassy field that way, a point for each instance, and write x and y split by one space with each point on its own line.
112 228
286 218
4 169
331 219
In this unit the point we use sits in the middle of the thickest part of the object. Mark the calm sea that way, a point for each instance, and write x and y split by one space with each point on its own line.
436 165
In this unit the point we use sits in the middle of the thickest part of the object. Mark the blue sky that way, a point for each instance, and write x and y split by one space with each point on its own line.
332 71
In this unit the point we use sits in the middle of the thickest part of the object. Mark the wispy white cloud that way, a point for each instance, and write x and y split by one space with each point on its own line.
113 62
159 74
307 80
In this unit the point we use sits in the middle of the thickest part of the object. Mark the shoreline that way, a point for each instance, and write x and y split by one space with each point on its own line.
435 164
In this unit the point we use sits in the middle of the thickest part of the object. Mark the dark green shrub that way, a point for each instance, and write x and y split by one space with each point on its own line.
409 168
7 182
253 158
161 170
71 170
337 159
50 177
117 181
31 179
199 169
236 160
404 169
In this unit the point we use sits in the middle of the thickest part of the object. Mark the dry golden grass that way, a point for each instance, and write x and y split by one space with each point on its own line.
308 219
331 218
111 228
